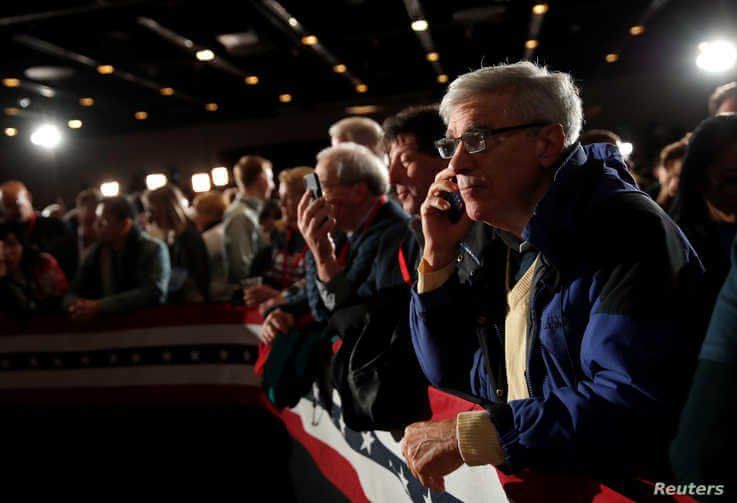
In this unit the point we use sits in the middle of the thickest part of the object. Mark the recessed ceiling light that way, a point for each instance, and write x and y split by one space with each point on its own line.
251 80
141 116
637 30
211 107
309 40
612 57
74 124
105 69
205 55
339 68
11 82
419 25
86 102
285 98
432 56
540 9
442 78
361 88
10 131
166 91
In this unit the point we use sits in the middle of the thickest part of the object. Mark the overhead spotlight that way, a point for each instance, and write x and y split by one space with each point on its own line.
11 111
285 98
309 40
637 30
716 56
211 107
419 25
110 189
626 148
74 124
339 68
361 88
293 22
540 9
442 78
24 102
201 182
361 109
251 80
10 131
11 82
531 44
612 57
205 55
166 91
86 102
432 56
220 176
155 181
46 136
141 116
105 69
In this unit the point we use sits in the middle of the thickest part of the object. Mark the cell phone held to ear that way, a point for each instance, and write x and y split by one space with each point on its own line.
457 206
312 184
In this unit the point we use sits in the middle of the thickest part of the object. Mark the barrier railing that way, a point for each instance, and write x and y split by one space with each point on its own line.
204 354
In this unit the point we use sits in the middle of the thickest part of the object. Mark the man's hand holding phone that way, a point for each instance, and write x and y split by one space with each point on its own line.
442 234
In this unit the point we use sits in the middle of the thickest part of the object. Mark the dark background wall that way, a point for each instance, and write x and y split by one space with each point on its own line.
649 110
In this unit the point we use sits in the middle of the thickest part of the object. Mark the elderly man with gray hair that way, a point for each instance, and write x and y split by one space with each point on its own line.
585 364
342 230
361 130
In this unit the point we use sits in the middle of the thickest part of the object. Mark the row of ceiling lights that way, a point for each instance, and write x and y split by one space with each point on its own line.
421 25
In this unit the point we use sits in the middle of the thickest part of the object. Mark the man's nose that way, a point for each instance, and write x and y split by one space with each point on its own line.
461 160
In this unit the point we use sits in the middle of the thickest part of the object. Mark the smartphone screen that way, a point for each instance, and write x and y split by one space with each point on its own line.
312 183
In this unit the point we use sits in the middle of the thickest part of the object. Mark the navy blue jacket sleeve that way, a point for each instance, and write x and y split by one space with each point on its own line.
442 329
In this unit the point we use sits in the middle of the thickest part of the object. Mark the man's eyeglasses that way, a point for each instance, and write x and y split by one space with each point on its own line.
475 141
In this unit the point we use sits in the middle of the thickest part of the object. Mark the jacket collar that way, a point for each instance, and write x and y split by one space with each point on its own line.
584 179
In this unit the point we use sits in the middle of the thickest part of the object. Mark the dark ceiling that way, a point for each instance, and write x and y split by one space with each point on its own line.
372 38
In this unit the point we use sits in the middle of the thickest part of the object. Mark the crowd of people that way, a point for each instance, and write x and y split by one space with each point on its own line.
592 316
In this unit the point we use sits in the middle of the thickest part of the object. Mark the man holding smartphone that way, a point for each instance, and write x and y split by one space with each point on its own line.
354 186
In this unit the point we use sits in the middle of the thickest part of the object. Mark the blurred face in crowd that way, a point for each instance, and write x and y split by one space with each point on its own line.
412 171
728 106
261 187
16 201
501 184
288 202
87 215
345 201
12 252
109 227
155 214
673 176
721 189
204 216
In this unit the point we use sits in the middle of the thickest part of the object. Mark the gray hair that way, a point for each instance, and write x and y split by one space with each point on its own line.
361 130
355 163
538 95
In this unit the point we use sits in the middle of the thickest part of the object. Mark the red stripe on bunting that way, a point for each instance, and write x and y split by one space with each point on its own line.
333 466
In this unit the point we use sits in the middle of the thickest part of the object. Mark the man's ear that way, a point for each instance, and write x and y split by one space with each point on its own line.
550 144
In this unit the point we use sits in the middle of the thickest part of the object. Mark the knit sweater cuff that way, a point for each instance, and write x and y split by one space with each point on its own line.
478 440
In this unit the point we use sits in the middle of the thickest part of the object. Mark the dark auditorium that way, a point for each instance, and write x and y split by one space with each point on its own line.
391 251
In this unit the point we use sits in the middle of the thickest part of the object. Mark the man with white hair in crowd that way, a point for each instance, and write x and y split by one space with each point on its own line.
360 130
354 203
587 365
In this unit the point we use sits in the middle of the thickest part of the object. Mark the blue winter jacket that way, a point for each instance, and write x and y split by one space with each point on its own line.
616 317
